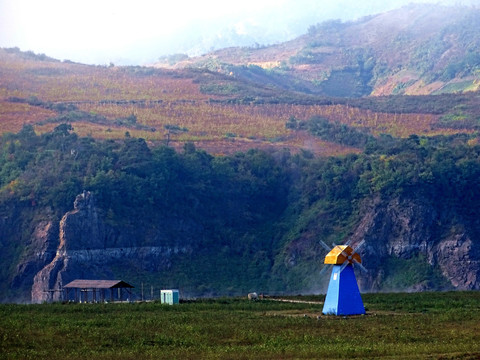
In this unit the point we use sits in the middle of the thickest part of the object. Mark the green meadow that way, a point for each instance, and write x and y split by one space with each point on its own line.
396 326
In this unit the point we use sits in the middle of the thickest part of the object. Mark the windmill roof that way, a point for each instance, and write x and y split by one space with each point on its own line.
340 253
97 284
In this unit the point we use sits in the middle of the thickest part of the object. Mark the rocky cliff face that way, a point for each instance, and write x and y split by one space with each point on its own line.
86 249
410 229
459 260
39 251
411 244
407 227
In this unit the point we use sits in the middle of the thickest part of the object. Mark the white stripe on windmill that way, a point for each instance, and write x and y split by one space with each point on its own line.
343 296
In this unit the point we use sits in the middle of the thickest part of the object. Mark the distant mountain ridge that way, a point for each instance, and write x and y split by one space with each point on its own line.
415 50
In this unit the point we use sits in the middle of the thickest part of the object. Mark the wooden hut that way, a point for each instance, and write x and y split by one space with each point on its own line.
97 290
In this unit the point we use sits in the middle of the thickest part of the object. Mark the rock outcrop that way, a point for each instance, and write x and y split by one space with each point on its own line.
85 251
407 227
459 260
412 243
39 251
83 245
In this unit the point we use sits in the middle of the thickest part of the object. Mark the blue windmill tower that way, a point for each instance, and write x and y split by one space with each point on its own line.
343 296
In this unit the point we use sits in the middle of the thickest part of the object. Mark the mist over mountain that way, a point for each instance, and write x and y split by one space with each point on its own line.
414 50
273 25
124 34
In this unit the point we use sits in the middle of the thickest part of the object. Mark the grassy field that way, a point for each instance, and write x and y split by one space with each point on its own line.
397 326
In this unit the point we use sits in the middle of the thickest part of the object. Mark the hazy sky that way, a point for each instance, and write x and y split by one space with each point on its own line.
101 31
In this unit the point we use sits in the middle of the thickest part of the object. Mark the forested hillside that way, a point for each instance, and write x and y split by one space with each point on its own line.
242 222
155 197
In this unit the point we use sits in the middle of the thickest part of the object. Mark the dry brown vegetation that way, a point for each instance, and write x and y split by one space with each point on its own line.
159 98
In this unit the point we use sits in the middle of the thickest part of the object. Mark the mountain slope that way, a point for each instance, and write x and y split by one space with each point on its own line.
406 179
418 49
217 112
229 225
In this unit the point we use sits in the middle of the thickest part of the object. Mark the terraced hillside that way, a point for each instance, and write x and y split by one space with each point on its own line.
217 112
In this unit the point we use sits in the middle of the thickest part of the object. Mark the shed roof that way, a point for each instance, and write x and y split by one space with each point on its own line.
97 284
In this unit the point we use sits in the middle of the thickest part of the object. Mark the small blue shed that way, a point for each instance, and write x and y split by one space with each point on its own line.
169 297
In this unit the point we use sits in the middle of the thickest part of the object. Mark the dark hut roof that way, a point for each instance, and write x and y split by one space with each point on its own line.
97 284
